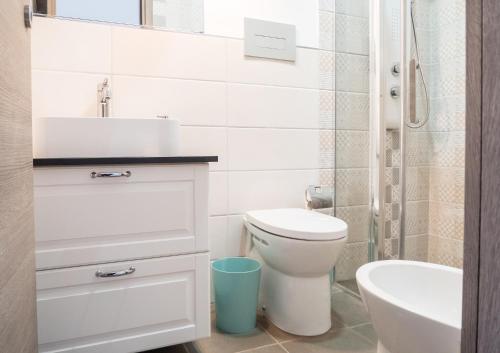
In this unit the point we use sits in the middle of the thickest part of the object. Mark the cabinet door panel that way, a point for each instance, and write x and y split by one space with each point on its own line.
155 212
165 297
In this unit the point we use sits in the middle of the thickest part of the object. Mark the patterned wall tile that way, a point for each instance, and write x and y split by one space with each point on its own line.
448 149
447 185
358 221
446 251
327 69
354 256
327 148
352 34
417 183
352 73
327 177
416 247
326 109
418 144
446 220
352 148
417 217
353 8
352 187
327 32
353 111
447 114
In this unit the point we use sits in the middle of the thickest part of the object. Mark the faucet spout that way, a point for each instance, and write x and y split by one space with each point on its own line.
103 98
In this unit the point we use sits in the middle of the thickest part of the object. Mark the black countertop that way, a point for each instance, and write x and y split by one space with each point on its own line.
58 162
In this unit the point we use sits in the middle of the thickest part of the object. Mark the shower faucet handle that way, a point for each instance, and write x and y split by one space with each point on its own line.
395 92
395 70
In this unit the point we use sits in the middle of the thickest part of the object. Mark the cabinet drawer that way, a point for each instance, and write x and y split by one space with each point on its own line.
155 211
164 302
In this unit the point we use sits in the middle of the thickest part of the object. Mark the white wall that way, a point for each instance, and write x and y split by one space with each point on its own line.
225 17
265 119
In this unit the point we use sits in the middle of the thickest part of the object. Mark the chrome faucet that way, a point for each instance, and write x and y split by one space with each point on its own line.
103 98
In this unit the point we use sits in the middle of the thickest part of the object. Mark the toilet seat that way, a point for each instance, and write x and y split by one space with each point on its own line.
297 223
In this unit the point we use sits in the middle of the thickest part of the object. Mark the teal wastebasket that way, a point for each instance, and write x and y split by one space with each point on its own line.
236 283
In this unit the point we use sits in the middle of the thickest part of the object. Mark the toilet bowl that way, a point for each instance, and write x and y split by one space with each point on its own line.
298 248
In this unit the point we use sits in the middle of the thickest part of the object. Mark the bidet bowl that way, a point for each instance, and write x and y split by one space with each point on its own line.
415 307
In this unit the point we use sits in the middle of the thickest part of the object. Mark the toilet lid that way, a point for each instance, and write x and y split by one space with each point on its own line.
298 223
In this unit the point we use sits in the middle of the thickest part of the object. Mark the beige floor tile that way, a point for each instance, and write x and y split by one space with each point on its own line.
351 285
220 342
268 349
336 341
367 331
282 336
348 309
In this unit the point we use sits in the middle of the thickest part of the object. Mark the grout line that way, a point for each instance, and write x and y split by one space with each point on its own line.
259 347
366 339
359 325
347 290
283 347
276 340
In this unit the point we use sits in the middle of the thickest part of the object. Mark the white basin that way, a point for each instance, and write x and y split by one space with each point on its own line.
415 307
105 137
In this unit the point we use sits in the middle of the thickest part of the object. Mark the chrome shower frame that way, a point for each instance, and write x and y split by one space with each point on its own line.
378 128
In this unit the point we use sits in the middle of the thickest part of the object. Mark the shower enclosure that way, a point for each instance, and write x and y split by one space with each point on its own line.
400 130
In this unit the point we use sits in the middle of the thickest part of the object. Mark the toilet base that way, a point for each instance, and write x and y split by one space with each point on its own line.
298 305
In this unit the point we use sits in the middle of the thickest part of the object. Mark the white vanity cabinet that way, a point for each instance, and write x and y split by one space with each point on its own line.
122 256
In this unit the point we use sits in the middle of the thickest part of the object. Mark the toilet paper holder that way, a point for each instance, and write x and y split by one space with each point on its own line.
318 197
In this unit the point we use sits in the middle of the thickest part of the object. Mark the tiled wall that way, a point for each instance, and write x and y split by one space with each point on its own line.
352 137
270 122
444 59
435 160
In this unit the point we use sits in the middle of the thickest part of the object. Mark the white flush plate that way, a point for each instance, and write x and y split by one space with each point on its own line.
272 40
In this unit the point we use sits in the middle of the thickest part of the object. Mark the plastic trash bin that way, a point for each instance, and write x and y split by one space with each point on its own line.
236 283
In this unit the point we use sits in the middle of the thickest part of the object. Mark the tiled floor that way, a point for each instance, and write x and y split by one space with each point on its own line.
351 332
350 285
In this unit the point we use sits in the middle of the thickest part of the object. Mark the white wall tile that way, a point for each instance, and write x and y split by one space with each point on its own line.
191 102
54 94
225 17
70 46
167 54
217 195
236 236
272 149
301 73
266 106
217 234
268 189
204 141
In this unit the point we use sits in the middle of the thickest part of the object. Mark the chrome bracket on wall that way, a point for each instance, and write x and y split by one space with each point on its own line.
28 15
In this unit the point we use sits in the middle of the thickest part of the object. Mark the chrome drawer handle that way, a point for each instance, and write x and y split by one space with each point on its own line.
129 271
127 174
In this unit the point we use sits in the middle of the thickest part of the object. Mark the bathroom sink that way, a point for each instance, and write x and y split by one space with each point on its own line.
105 137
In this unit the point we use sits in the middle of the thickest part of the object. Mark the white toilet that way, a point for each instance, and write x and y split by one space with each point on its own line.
298 249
